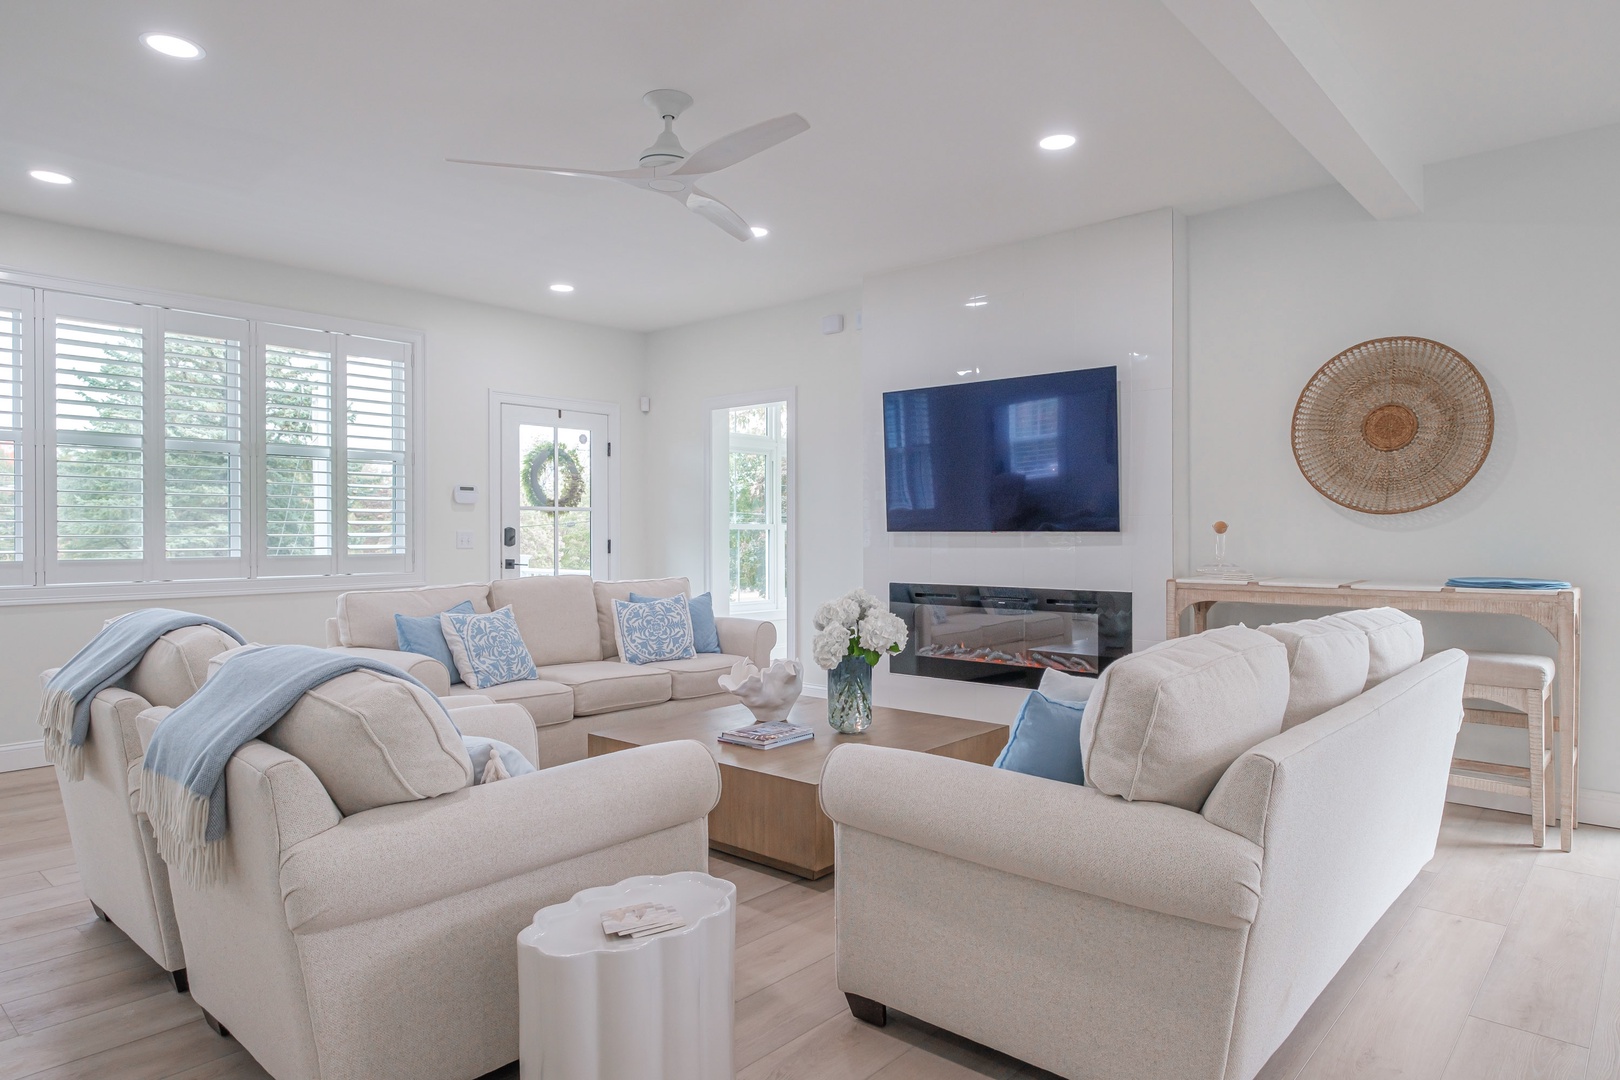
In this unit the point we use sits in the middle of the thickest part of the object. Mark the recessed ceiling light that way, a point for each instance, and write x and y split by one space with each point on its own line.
1057 142
46 176
169 45
759 231
562 286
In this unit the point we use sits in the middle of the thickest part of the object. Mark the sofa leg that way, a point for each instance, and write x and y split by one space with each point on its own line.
868 1011
217 1027
182 985
102 915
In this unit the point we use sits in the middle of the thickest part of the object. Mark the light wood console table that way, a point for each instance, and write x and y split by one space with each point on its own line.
1559 613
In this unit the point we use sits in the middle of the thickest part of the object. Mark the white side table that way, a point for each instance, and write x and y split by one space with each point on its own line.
594 1007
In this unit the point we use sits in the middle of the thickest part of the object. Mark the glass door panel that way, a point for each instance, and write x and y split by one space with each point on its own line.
553 508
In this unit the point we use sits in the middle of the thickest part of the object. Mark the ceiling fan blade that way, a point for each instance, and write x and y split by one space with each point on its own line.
740 145
718 212
626 174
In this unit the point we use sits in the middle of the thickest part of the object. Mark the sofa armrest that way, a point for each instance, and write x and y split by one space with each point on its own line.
1147 855
747 637
481 835
426 670
510 724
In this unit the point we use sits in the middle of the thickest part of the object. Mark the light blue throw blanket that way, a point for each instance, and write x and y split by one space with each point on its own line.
110 655
182 788
1537 584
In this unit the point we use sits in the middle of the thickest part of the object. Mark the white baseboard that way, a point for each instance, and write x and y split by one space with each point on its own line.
22 755
812 690
1593 807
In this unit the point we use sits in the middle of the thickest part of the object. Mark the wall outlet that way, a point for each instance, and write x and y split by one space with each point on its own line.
464 541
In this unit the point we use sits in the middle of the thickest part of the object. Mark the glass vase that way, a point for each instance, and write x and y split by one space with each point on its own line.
849 696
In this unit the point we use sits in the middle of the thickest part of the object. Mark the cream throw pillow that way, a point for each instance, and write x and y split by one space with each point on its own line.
1394 640
1327 665
1163 724
374 740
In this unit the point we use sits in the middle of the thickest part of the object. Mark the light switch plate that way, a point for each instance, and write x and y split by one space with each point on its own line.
464 541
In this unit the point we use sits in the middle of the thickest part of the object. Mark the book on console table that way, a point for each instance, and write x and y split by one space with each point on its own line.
767 736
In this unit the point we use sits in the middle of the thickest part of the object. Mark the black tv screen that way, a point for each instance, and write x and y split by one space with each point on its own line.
1036 454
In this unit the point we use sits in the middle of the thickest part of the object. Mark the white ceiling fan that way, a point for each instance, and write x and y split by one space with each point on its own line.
667 167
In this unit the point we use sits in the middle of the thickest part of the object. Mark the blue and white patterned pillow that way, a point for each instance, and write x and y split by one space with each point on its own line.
653 631
487 649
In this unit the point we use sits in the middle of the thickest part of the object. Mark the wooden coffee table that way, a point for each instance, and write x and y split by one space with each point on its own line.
770 800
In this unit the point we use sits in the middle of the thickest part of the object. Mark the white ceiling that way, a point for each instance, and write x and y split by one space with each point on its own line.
313 133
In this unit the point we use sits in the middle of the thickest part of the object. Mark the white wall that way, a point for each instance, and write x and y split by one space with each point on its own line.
1514 264
762 350
1093 297
471 350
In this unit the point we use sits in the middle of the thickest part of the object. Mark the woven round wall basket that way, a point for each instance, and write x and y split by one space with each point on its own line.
1393 425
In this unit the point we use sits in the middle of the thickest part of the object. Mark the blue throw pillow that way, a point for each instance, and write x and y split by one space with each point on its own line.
423 634
654 631
488 649
1045 740
705 635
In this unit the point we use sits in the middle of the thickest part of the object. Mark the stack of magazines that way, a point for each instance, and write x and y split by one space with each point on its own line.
641 920
768 735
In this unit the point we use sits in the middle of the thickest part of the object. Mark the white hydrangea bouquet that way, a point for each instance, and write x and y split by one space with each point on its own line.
852 634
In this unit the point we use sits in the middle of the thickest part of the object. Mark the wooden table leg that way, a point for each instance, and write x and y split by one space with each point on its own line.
1568 725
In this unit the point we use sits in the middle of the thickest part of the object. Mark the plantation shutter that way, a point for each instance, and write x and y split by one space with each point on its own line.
97 401
375 378
202 446
300 437
16 349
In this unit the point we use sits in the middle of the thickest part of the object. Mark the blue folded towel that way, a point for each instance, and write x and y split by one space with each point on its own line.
1539 584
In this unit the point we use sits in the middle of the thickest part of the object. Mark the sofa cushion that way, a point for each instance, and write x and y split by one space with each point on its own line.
705 635
654 630
548 702
176 664
423 634
557 616
1327 665
699 676
373 740
608 591
1394 640
608 686
366 619
1045 740
488 650
1164 724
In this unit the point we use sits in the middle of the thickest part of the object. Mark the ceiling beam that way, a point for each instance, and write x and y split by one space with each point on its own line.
1287 58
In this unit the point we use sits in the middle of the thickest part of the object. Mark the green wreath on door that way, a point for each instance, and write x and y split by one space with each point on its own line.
570 475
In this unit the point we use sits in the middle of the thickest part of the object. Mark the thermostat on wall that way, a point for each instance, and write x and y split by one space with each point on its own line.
466 494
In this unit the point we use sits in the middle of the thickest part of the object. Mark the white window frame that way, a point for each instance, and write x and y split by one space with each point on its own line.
14 573
40 578
717 466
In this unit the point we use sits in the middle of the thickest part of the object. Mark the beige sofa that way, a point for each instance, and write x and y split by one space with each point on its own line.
1099 933
113 847
567 623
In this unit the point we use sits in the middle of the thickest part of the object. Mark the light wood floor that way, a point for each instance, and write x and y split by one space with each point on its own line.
1501 962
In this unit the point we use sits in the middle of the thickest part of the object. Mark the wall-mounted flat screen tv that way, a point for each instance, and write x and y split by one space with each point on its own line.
1036 454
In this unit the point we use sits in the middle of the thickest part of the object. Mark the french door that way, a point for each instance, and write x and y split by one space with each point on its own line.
553 492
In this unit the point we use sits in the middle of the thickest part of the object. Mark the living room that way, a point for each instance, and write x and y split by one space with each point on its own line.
550 379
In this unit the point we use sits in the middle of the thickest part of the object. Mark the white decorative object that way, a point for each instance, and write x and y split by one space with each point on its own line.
594 1007
769 694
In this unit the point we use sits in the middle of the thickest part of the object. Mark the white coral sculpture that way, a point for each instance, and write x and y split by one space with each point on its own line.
769 694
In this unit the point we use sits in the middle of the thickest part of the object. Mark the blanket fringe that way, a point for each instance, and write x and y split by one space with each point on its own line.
179 818
56 718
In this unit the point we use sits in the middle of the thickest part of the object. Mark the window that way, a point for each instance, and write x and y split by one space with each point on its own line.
179 445
756 500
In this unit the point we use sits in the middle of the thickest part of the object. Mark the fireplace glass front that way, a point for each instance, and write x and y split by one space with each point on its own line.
1008 636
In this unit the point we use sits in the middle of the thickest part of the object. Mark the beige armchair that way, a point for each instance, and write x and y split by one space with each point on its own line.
113 847
1099 937
382 944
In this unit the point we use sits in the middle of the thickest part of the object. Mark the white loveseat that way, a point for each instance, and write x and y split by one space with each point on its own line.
567 623
1173 919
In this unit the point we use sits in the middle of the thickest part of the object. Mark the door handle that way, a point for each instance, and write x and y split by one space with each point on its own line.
509 539
513 564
